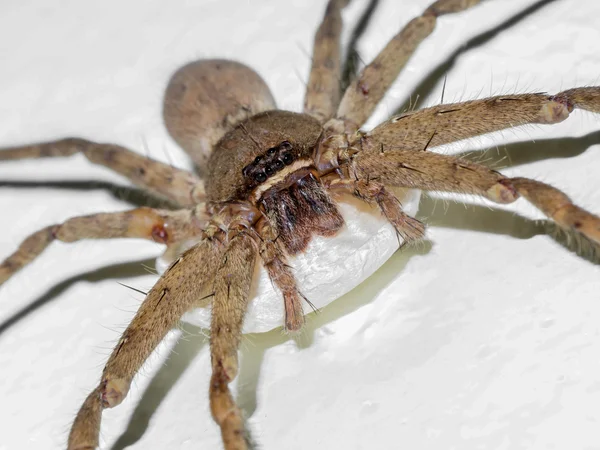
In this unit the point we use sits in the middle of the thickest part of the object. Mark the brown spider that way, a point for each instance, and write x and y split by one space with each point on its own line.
281 147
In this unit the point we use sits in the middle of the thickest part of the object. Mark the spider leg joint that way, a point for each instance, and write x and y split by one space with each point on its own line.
114 391
554 111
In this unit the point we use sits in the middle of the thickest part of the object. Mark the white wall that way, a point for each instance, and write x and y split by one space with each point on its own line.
479 340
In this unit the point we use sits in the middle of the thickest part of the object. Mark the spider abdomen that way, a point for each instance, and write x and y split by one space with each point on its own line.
205 98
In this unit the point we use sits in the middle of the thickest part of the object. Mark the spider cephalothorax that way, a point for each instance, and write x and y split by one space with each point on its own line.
281 178
273 181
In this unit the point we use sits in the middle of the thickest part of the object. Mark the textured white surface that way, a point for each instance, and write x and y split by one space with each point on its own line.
484 339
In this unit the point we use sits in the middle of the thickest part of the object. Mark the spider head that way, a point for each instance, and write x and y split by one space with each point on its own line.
259 153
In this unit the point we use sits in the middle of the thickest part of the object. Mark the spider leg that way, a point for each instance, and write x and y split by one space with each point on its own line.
163 226
232 288
432 171
363 95
185 285
274 260
323 89
442 124
177 185
407 227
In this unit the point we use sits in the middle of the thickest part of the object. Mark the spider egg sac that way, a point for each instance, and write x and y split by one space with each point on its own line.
330 267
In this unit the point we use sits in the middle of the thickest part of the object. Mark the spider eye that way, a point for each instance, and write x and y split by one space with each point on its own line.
287 158
285 145
269 170
278 164
260 177
257 159
271 151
